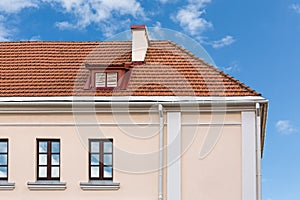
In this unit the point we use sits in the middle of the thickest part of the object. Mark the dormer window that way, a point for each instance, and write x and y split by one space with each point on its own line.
111 77
106 79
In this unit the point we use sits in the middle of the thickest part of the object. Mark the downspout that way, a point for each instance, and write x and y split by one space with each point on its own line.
161 145
258 151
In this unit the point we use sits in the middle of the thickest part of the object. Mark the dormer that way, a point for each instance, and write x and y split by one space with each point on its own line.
103 77
116 75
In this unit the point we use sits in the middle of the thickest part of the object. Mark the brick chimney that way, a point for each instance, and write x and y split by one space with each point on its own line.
140 42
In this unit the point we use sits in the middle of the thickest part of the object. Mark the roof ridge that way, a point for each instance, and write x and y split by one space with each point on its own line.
61 42
189 53
46 41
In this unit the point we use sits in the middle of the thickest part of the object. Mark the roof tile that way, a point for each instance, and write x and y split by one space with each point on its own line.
57 69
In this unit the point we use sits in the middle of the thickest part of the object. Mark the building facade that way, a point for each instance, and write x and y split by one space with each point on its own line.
125 120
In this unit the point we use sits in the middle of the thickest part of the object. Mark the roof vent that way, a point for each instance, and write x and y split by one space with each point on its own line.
140 42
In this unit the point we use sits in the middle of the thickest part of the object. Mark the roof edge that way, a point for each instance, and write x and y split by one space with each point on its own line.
134 99
189 53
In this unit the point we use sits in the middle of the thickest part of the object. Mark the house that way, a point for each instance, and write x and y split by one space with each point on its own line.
140 119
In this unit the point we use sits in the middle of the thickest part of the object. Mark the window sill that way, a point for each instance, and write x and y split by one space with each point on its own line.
99 185
107 88
46 185
5 185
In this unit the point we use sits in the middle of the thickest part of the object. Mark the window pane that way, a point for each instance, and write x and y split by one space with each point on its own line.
95 172
94 159
43 147
95 147
100 79
43 159
3 159
112 79
107 147
107 172
55 159
3 147
42 172
3 172
55 147
107 159
55 172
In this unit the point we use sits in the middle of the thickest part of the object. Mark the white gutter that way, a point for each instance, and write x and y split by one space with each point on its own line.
79 105
161 145
76 103
258 151
130 99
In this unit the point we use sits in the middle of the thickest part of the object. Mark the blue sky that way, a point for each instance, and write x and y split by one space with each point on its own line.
258 42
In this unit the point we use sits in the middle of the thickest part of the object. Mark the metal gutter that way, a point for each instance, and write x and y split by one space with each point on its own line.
161 145
264 116
128 99
212 102
258 151
123 103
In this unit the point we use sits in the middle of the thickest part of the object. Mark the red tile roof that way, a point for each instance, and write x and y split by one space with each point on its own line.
57 69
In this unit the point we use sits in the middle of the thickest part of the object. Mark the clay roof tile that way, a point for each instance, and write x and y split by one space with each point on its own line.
57 69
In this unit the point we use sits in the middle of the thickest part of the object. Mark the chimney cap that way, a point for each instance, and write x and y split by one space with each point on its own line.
139 26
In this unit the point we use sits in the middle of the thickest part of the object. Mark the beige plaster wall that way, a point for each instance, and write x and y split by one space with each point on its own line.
218 176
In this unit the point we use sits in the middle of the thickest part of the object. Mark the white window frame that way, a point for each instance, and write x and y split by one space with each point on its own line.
106 77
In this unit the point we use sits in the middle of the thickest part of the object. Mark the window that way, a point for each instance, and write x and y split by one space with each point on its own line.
101 159
48 159
3 159
107 79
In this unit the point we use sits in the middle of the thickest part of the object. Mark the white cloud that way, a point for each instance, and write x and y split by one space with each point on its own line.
285 127
295 7
199 3
163 1
156 32
233 67
14 6
106 14
109 29
35 38
157 25
168 1
9 8
64 25
5 33
191 20
226 41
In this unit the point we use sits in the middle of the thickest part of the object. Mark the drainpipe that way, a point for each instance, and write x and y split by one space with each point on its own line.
258 151
161 145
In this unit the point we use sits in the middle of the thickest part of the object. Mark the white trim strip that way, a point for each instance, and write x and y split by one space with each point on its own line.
212 124
79 124
248 156
120 110
130 98
120 124
174 155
